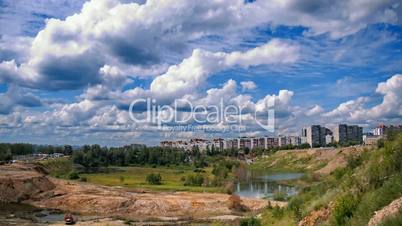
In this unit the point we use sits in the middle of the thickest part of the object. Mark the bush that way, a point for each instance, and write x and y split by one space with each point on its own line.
295 205
251 221
154 179
73 175
83 179
339 172
194 180
354 161
343 210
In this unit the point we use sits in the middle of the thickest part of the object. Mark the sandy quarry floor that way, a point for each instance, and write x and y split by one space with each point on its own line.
28 184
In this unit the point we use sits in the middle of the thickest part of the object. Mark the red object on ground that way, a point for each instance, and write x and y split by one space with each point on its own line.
69 219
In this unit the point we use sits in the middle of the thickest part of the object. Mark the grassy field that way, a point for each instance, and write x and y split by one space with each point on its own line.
135 177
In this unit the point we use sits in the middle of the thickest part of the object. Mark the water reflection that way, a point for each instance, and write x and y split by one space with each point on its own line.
259 184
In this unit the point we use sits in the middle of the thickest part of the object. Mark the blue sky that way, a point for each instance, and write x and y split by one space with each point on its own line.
69 69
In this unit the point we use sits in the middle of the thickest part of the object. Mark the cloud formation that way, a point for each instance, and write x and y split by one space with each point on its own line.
193 71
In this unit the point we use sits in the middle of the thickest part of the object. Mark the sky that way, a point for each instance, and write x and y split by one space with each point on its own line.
69 69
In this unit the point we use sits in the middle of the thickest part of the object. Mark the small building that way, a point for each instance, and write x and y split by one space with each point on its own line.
371 140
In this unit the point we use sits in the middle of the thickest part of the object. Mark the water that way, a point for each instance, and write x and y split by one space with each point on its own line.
22 214
262 184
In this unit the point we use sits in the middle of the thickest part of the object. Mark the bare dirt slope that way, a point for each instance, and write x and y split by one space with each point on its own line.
19 182
28 184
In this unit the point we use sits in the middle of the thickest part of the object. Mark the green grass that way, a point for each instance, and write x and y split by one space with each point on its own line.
135 177
288 161
278 217
59 167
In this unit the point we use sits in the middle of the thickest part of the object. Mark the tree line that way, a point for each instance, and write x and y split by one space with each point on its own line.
7 150
97 156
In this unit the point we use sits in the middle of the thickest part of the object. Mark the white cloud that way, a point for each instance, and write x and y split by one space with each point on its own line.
192 72
345 110
68 53
390 107
248 85
17 97
317 109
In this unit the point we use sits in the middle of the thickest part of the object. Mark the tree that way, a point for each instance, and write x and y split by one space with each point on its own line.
5 153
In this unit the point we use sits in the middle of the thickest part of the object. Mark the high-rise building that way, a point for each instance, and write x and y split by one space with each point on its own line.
344 134
315 135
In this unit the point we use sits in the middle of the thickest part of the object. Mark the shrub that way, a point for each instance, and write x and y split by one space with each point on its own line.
83 179
73 175
295 205
194 180
343 210
339 172
154 179
251 221
353 161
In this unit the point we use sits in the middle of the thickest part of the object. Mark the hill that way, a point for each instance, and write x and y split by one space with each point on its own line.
347 186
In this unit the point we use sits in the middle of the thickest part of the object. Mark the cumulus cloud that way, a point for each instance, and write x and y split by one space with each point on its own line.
317 109
193 71
68 53
17 97
389 108
346 109
248 85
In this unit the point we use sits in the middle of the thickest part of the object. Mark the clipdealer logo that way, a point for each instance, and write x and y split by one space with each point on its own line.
186 116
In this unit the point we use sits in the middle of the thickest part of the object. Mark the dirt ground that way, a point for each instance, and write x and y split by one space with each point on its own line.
28 183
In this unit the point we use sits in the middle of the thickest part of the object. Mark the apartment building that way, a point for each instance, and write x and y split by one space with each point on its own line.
272 142
344 134
295 140
315 135
219 143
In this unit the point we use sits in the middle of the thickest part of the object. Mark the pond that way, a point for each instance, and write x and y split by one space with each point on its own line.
263 184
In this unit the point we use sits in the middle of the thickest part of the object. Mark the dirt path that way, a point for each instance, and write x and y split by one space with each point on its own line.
26 183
